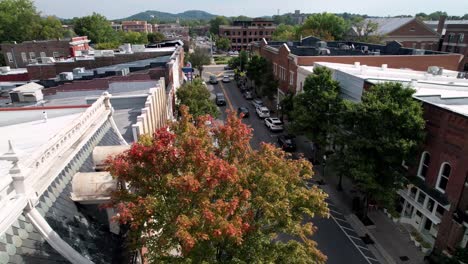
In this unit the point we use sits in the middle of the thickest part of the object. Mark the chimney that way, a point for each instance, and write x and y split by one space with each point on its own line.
440 26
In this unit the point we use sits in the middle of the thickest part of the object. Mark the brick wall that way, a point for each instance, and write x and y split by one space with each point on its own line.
61 47
416 62
415 35
446 141
42 72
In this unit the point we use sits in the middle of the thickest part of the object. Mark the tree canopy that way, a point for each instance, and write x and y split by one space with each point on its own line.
286 33
196 96
133 37
199 58
240 61
96 27
325 26
20 21
216 22
378 134
261 72
223 43
315 110
216 203
155 37
365 30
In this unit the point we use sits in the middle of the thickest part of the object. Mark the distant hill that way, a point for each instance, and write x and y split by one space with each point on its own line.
163 16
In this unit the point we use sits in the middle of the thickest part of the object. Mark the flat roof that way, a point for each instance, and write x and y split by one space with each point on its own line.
446 90
21 135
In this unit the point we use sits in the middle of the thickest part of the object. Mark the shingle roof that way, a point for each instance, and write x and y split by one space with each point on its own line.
387 25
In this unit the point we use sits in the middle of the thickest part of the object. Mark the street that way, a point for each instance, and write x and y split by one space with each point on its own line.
335 237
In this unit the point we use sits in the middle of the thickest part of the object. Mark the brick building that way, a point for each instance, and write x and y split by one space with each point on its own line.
456 41
18 55
173 31
242 33
435 202
136 26
286 57
410 32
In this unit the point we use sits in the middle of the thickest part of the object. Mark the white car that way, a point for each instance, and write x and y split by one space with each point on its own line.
262 112
226 79
274 124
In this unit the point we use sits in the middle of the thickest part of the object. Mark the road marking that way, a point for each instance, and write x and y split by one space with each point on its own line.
350 229
352 241
336 212
225 95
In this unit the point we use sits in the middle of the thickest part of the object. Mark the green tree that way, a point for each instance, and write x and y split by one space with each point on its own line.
107 45
216 203
223 43
133 37
18 20
216 22
386 128
286 33
196 96
366 31
240 61
96 27
199 58
326 26
260 71
50 28
317 107
156 37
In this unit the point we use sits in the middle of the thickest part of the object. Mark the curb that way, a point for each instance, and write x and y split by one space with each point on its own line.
382 254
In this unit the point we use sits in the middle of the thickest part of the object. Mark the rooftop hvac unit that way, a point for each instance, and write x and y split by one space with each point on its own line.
32 61
321 44
374 53
364 48
441 71
65 76
418 52
461 75
48 60
323 51
78 70
434 70
5 69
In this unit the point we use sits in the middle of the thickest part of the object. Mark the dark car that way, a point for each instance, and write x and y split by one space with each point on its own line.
287 142
213 79
227 68
243 110
220 100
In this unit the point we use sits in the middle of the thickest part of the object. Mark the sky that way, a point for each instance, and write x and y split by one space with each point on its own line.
114 9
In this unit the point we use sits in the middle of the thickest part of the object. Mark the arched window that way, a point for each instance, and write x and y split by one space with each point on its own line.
424 164
444 174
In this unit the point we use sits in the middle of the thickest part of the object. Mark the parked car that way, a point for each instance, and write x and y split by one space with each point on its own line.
243 88
227 68
274 124
287 142
213 79
226 79
257 103
220 100
243 110
248 95
262 112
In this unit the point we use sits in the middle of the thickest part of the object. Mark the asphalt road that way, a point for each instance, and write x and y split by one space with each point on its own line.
335 237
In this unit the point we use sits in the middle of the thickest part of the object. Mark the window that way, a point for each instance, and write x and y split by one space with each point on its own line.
424 165
423 45
412 29
461 37
450 37
430 205
440 211
275 68
32 55
261 33
443 178
43 54
291 78
10 57
421 198
413 192
24 57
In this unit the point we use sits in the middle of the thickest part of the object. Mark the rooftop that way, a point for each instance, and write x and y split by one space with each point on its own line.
389 24
444 90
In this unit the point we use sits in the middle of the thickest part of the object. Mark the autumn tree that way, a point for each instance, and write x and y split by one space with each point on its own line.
315 110
386 128
196 96
199 58
325 26
199 193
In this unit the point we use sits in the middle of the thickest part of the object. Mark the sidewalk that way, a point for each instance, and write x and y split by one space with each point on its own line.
392 242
